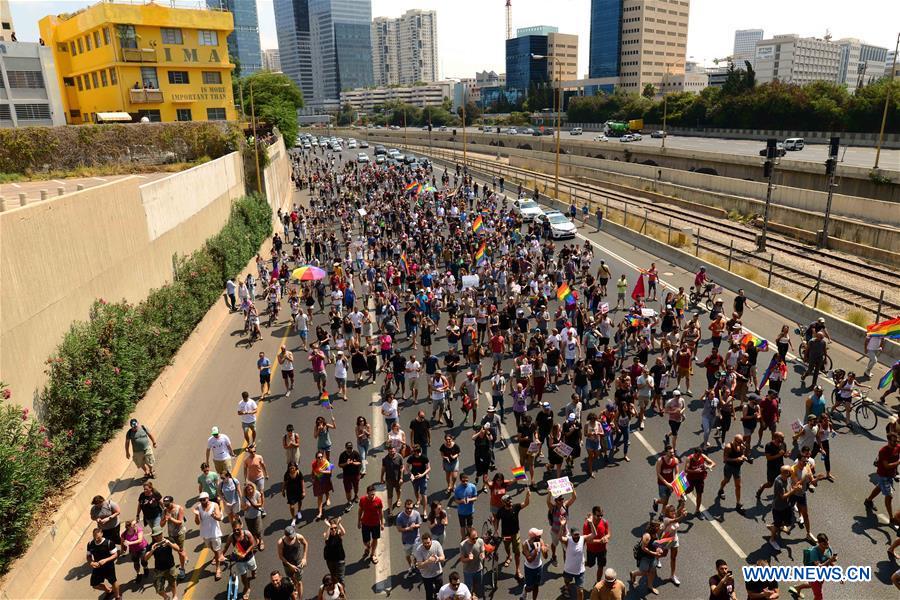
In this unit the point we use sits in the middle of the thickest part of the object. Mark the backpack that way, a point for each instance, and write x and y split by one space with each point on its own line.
809 558
637 551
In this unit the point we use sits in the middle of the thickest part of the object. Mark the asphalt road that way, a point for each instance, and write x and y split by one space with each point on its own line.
857 156
625 490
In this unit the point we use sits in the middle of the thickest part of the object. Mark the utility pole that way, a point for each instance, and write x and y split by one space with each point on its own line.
887 100
830 168
255 140
769 171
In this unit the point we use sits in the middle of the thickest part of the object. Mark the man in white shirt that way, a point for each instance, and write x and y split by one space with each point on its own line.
222 453
573 569
247 409
413 369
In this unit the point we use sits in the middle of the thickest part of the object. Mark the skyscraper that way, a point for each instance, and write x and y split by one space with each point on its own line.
523 71
404 50
326 46
271 60
861 63
243 44
635 42
745 46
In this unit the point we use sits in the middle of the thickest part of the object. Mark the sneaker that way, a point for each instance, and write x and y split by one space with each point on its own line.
869 504
775 545
410 573
739 509
675 580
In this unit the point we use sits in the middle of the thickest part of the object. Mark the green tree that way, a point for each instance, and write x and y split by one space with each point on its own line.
649 91
276 99
345 116
473 113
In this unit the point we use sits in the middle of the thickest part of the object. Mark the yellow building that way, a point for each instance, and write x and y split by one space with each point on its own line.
147 60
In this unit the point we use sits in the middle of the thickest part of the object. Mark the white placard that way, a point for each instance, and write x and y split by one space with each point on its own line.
648 312
470 281
469 321
797 426
362 212
604 308
563 449
535 447
558 487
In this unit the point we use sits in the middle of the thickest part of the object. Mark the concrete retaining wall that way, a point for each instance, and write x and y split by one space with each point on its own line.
112 241
277 176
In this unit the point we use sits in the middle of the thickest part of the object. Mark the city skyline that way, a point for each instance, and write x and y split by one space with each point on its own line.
710 33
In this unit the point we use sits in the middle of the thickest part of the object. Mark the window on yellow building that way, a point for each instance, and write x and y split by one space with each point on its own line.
212 77
106 36
183 114
171 35
87 42
62 48
80 46
78 83
179 77
127 36
95 79
206 37
87 81
72 48
113 79
215 114
96 39
103 81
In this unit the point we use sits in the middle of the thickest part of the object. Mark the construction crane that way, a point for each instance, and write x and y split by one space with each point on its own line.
509 19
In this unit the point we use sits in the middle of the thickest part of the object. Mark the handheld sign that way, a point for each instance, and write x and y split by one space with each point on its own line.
558 487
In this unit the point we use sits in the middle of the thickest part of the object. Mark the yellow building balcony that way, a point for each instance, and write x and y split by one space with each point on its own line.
145 96
139 55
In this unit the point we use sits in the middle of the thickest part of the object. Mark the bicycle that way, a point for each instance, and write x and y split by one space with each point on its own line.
862 408
233 591
491 567
801 350
709 293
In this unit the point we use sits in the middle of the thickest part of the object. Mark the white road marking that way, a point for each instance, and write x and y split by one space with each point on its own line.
715 524
15 185
383 568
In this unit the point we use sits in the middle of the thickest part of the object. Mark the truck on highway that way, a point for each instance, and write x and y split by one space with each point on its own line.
636 124
615 128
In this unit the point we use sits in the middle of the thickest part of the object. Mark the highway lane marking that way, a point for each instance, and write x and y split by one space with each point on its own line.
383 567
709 519
204 553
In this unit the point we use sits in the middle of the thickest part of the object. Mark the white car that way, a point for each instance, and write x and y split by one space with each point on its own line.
528 131
337 148
351 144
527 209
512 131
627 138
362 157
560 225
601 138
379 159
364 144
636 137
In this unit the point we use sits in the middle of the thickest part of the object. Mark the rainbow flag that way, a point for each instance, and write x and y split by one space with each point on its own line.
886 380
519 473
325 468
633 320
666 541
681 484
325 399
889 329
761 344
477 224
480 257
410 186
404 263
565 294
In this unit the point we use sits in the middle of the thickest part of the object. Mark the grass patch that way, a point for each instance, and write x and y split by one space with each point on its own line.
858 317
11 177
749 272
825 305
713 259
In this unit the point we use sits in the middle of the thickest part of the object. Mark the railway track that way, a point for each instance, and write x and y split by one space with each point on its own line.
843 293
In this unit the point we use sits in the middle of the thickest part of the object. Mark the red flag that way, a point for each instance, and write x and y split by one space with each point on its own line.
638 291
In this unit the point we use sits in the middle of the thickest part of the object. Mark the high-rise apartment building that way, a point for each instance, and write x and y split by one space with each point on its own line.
271 60
325 46
793 59
385 51
117 61
404 49
637 42
417 34
243 43
861 63
563 50
745 46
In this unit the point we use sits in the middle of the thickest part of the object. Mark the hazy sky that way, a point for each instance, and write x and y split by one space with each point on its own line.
471 32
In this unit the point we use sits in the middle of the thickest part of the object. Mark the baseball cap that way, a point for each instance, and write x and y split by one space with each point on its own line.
676 392
546 405
752 396
133 423
490 409
157 531
215 431
534 531
290 530
571 416
203 495
506 497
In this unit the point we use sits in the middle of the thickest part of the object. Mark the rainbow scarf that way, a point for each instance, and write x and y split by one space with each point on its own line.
565 294
480 257
477 224
323 469
889 329
761 344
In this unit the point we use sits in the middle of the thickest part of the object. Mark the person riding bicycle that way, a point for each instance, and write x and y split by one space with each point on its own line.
815 327
701 280
253 323
845 391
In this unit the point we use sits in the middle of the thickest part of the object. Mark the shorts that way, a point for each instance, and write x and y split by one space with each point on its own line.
214 544
799 500
696 485
351 482
244 567
304 333
291 573
569 578
513 541
420 486
783 518
450 467
570 363
684 372
887 486
498 356
400 377
646 563
465 520
340 381
371 532
143 458
532 577
591 444
223 465
113 534
731 470
674 426
267 378
177 539
664 491
250 426
319 376
165 580
598 558
105 573
408 549
287 375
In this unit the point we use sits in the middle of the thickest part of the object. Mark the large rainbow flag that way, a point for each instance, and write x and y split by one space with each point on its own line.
565 294
477 224
761 344
887 379
404 263
519 473
681 484
480 257
889 329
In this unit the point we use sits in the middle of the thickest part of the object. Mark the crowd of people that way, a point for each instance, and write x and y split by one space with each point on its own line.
409 257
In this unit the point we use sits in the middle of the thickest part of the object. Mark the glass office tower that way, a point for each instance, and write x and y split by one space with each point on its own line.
243 43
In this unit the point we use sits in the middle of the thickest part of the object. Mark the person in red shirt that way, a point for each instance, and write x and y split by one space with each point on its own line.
886 470
597 525
696 470
683 363
666 468
370 519
770 411
498 348
713 363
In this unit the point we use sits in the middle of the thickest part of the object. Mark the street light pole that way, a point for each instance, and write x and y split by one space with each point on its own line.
465 98
887 100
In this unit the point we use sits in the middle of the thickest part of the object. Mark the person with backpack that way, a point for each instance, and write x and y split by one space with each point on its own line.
647 552
820 555
139 445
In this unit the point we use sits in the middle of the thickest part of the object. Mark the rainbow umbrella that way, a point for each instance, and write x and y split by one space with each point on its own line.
308 273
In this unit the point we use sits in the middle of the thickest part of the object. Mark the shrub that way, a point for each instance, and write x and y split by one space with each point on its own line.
858 317
104 366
